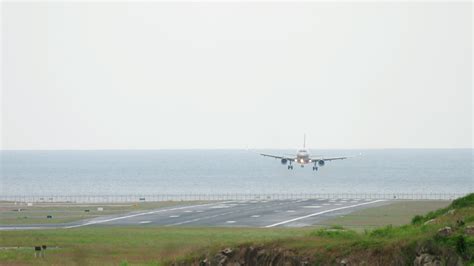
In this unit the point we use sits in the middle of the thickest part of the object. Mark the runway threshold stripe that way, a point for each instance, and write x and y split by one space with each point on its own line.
321 212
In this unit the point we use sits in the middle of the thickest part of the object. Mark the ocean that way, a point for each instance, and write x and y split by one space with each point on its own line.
127 172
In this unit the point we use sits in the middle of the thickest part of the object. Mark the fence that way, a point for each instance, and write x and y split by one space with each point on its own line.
227 196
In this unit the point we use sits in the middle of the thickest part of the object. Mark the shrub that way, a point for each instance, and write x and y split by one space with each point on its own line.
382 232
418 219
463 202
337 227
335 233
461 246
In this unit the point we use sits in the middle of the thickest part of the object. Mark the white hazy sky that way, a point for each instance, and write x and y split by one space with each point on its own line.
235 75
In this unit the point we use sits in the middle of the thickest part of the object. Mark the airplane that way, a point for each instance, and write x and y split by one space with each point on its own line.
302 157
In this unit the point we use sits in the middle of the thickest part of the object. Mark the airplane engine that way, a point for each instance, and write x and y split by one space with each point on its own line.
321 163
284 161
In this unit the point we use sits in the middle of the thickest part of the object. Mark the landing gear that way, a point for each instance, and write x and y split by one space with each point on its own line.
315 168
290 167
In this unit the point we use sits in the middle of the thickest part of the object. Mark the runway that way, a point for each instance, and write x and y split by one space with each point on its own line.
262 214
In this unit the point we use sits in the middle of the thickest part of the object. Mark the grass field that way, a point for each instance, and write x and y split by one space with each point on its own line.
69 212
110 245
396 213
158 245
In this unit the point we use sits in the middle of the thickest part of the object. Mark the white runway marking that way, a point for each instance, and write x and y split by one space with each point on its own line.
188 211
145 222
230 222
315 207
136 215
174 216
322 212
290 211
220 207
255 216
198 219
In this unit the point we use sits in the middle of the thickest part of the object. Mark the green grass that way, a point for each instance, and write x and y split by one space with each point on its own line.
463 202
395 213
109 245
69 212
162 245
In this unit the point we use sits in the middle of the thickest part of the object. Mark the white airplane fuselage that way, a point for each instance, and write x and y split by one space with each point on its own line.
302 157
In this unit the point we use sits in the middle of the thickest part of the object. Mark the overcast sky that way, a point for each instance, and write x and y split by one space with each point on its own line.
236 75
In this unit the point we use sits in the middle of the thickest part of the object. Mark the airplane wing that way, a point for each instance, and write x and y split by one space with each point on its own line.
328 159
278 157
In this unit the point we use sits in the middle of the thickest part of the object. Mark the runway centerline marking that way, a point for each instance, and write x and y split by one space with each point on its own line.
322 212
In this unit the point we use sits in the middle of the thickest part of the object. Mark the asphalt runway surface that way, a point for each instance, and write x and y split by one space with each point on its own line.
261 213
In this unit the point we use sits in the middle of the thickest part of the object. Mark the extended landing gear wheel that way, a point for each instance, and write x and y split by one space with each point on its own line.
290 167
315 168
